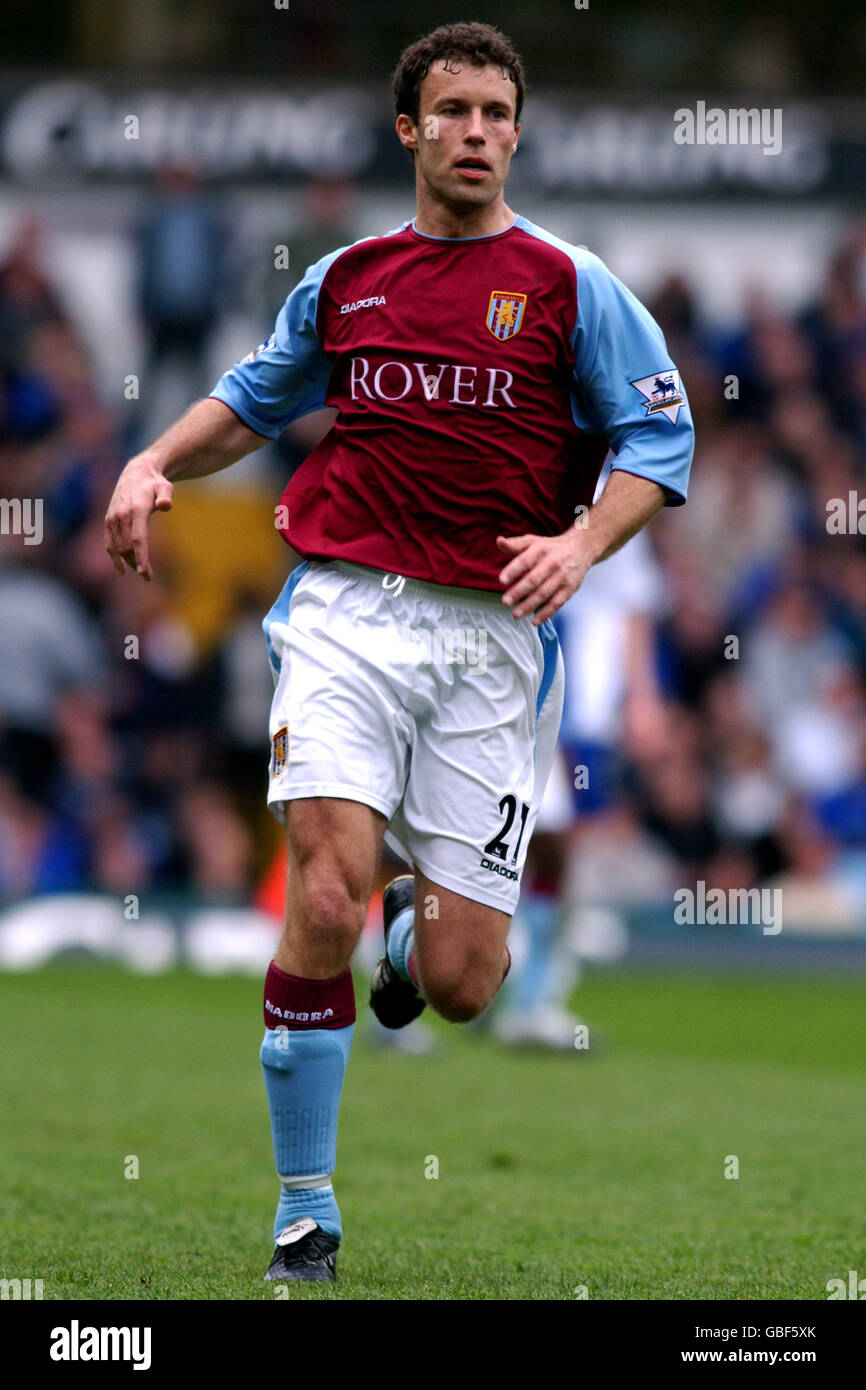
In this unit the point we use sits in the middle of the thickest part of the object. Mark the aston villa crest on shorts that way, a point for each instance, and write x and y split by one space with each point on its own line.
662 393
505 313
279 750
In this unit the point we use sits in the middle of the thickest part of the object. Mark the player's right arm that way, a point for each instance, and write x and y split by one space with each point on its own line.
204 440
284 379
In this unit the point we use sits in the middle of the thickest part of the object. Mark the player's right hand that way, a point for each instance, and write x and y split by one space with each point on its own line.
141 490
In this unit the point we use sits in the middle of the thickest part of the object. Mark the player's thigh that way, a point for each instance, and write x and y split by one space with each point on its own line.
480 762
337 725
459 946
339 751
334 847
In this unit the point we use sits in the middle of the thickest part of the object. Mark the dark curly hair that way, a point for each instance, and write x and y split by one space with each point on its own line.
479 43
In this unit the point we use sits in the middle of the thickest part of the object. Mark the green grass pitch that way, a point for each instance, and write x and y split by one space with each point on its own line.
556 1173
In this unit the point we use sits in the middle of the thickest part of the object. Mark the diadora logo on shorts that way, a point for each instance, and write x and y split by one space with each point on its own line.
373 302
317 1017
498 869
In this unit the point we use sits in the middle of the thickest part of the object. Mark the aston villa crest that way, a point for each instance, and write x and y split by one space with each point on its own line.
505 314
280 750
662 394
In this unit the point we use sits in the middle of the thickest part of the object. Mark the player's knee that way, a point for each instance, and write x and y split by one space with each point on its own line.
332 913
459 998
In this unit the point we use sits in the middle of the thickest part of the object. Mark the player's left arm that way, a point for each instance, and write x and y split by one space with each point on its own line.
547 570
622 368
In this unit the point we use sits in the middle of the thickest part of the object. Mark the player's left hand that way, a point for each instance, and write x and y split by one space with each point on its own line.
543 573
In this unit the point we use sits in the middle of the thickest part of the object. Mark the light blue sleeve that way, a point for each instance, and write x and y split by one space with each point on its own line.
626 385
287 376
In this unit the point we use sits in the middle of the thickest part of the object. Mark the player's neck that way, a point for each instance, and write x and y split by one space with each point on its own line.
437 219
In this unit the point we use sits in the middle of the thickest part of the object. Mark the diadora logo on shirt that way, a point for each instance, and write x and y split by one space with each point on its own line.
395 381
371 303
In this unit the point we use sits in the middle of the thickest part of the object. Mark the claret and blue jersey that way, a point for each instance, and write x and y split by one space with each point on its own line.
479 383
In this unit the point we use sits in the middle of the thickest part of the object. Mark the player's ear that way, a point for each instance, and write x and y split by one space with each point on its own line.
516 137
406 133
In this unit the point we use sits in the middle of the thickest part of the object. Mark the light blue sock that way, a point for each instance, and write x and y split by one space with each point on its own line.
401 941
303 1070
317 1202
531 987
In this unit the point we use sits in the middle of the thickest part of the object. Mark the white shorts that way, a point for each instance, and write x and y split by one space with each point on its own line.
432 705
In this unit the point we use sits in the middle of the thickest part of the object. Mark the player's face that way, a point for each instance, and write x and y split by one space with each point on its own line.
466 133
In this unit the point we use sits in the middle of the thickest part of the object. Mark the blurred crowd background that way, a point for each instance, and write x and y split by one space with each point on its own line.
141 766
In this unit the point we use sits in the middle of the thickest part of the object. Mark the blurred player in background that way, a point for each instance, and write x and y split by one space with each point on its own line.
611 690
181 243
481 369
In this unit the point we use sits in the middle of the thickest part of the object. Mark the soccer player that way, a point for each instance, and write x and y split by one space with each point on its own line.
611 692
481 368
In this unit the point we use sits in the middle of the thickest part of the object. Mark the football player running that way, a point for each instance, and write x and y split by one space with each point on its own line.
481 369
